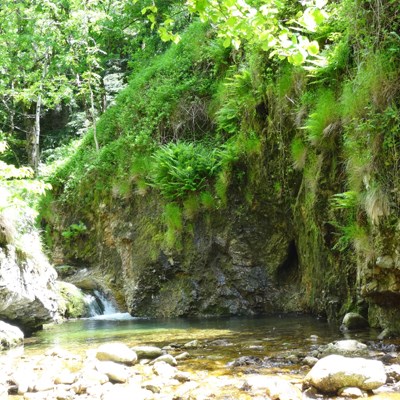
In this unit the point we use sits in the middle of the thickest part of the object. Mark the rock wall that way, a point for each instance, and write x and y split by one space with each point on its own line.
28 296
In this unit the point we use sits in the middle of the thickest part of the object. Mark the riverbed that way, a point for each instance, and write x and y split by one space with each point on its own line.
270 345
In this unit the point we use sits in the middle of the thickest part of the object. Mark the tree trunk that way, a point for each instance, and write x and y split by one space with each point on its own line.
33 138
93 116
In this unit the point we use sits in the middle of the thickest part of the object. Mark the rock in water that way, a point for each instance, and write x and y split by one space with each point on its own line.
117 352
335 372
147 351
347 348
354 320
10 336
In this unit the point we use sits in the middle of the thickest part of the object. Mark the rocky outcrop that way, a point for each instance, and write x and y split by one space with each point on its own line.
10 336
28 297
235 262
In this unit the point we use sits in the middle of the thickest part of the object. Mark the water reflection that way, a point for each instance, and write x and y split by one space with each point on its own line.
284 331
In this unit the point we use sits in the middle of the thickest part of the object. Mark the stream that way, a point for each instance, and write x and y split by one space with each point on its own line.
277 340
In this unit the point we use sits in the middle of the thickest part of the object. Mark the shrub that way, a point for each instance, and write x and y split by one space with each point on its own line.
299 153
182 168
321 122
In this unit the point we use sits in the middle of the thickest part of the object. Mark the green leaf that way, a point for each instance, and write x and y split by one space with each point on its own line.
313 48
297 58
227 42
319 16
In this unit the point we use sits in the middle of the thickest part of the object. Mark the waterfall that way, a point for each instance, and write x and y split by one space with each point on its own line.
103 308
93 305
107 305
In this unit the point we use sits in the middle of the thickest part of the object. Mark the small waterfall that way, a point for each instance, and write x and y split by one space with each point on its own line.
93 305
107 305
102 308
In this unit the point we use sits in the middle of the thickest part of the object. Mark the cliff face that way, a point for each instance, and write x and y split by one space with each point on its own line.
28 296
239 260
308 215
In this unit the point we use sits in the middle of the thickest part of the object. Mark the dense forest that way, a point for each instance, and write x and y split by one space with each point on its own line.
208 158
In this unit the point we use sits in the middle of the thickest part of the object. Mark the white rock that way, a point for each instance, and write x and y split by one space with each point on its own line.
88 378
347 348
115 372
182 376
191 344
354 320
10 336
164 370
310 361
147 351
24 378
279 388
127 392
335 372
182 356
65 377
167 358
43 384
117 352
352 392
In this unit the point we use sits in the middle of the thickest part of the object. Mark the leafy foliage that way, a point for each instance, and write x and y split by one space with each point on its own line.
181 168
74 230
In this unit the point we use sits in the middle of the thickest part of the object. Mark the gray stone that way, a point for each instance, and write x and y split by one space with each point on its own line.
192 344
167 358
182 356
10 336
147 351
393 372
348 348
354 320
28 296
310 361
117 352
182 376
335 372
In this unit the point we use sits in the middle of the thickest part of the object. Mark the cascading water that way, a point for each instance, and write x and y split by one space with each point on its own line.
108 309
108 306
93 306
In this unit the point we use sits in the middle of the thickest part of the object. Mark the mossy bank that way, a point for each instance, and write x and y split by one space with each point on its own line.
230 183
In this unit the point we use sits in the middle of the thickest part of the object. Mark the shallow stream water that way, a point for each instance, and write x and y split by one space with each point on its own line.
272 339
275 337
